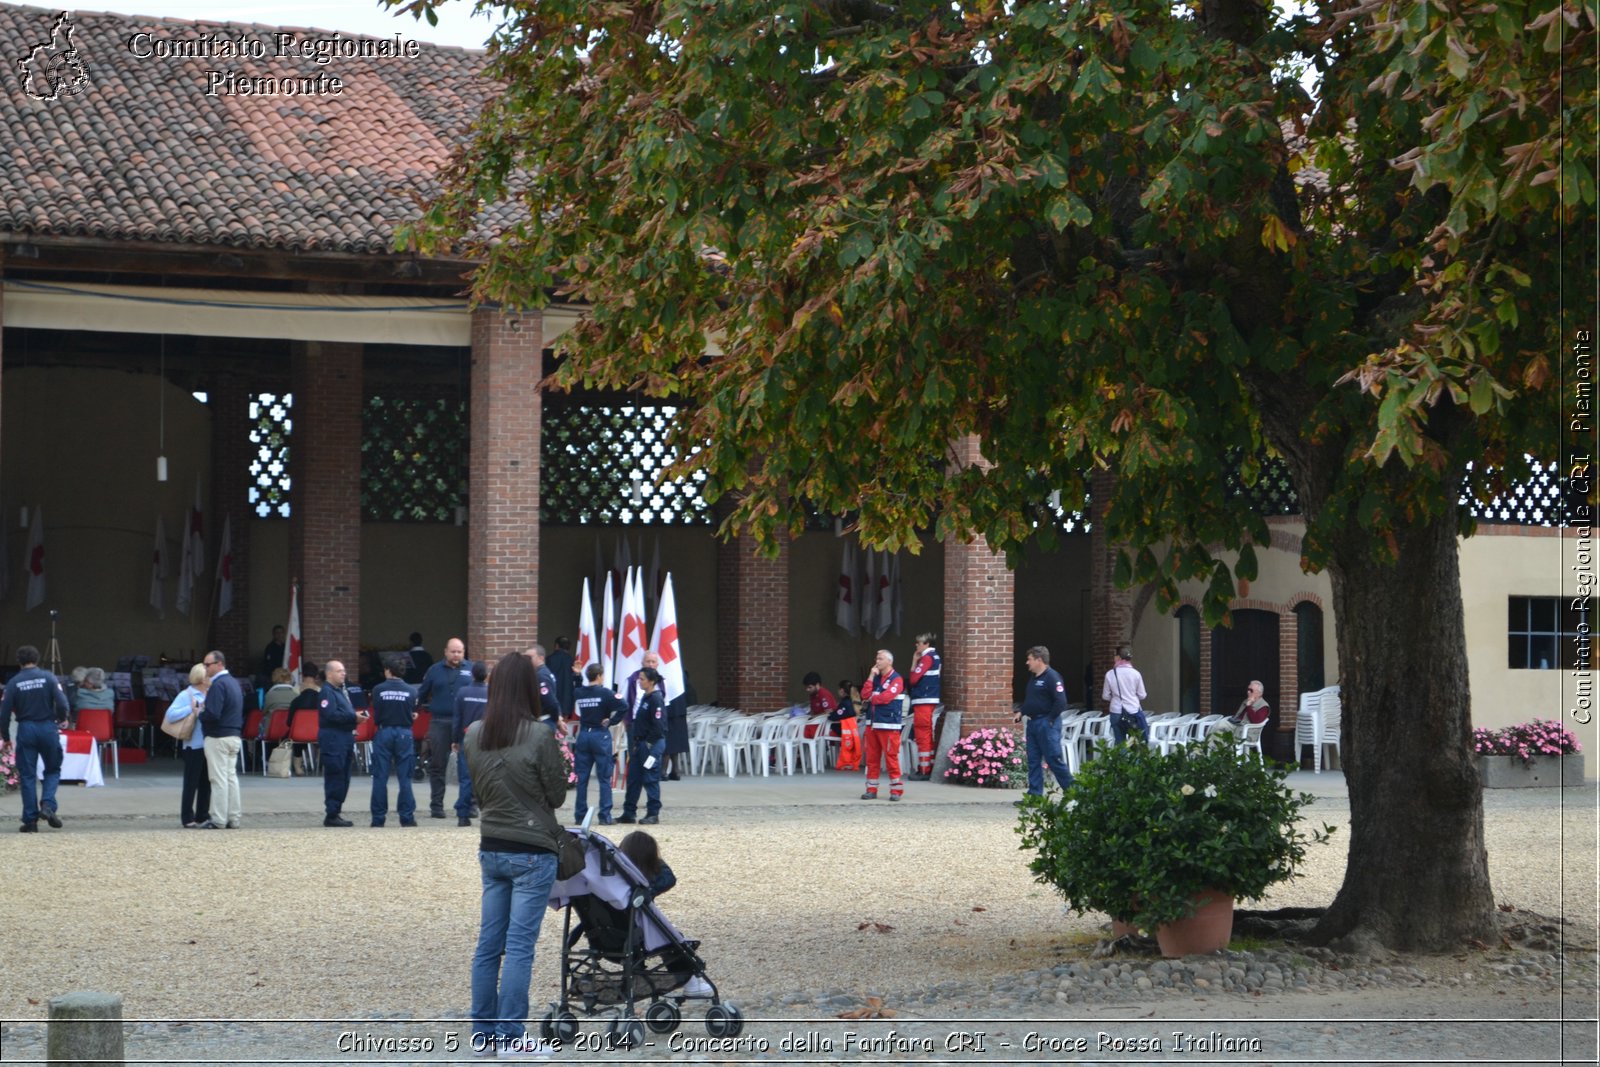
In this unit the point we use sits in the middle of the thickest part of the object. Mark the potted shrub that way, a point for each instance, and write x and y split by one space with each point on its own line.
1153 839
1538 753
987 758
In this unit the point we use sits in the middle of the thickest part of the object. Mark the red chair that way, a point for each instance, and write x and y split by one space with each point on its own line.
277 730
252 729
131 716
366 730
303 731
97 722
419 734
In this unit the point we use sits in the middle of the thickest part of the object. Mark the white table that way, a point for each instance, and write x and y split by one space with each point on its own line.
79 766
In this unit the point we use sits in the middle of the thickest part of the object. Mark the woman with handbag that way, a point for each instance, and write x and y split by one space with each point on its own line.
182 722
519 779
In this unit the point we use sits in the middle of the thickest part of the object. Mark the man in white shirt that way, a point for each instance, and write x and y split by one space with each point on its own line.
1123 691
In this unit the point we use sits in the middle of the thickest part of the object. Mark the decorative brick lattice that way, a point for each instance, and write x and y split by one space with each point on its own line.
1273 493
413 459
271 420
602 462
1535 501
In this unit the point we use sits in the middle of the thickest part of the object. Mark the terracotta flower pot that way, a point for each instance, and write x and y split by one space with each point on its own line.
1122 929
1207 930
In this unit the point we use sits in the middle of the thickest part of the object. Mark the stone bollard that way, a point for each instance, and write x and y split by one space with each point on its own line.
85 1028
949 734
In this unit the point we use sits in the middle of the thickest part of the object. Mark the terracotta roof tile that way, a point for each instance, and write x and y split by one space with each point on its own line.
143 152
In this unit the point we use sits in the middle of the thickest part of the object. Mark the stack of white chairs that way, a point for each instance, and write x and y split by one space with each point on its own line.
724 742
1095 733
769 741
1203 726
1073 725
1318 724
1169 731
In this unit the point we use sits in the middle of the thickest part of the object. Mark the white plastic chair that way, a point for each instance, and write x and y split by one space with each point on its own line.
1096 733
1072 727
1332 714
1203 726
814 749
1252 739
1170 731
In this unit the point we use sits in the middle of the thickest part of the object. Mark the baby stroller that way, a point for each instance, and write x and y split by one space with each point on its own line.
622 950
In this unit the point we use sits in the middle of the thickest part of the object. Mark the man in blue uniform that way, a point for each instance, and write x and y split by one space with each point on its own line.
336 724
599 709
1042 706
647 741
37 700
470 704
547 689
561 668
440 684
394 708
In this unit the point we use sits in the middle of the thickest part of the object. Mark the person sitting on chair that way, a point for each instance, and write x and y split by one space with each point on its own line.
1252 711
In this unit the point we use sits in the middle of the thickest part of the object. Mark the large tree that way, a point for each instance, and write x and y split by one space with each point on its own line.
1171 239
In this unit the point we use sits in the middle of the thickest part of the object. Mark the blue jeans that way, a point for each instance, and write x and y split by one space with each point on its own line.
393 747
592 751
649 779
516 892
464 788
1125 721
1043 734
36 741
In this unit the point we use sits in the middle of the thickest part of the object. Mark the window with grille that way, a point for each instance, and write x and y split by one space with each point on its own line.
413 458
1308 647
270 425
1544 632
602 462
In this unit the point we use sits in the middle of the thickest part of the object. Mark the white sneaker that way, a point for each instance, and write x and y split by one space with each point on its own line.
526 1048
697 987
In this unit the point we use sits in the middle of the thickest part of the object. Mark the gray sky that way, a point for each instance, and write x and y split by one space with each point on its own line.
367 17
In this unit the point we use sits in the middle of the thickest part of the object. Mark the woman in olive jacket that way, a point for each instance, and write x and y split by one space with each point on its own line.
519 779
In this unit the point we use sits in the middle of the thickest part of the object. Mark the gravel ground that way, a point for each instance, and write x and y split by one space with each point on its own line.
803 912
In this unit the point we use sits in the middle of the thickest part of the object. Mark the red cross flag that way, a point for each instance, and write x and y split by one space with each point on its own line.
588 642
225 569
291 643
35 568
844 606
608 638
158 569
630 642
664 642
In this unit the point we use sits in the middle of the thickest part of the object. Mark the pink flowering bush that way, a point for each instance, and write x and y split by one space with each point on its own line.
567 757
989 758
8 765
1526 741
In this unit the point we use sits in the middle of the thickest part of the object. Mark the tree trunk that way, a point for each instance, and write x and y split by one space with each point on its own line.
1417 876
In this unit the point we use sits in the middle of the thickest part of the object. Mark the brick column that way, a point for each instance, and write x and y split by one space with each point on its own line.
752 625
979 647
231 453
325 497
503 488
1110 608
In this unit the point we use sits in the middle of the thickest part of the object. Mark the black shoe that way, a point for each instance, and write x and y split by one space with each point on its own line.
29 827
52 818
436 813
405 822
869 796
606 820
377 824
893 797
334 820
649 820
627 819
673 777
209 825
463 821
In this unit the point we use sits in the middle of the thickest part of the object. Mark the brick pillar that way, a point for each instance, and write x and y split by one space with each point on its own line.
325 497
231 453
980 646
752 625
503 496
1110 608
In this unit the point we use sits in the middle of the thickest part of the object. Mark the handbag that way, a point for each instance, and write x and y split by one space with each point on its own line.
571 857
183 729
278 764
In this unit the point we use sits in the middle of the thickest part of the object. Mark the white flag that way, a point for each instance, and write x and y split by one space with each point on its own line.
158 569
631 639
291 643
588 642
883 606
608 637
225 568
197 540
664 642
185 571
869 593
35 565
844 599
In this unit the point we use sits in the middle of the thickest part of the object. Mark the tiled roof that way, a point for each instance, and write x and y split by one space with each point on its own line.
142 152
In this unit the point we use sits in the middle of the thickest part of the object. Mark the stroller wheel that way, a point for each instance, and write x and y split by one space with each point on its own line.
559 1026
626 1032
662 1017
724 1020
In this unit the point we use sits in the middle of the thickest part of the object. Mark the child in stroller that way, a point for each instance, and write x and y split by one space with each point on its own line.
621 949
